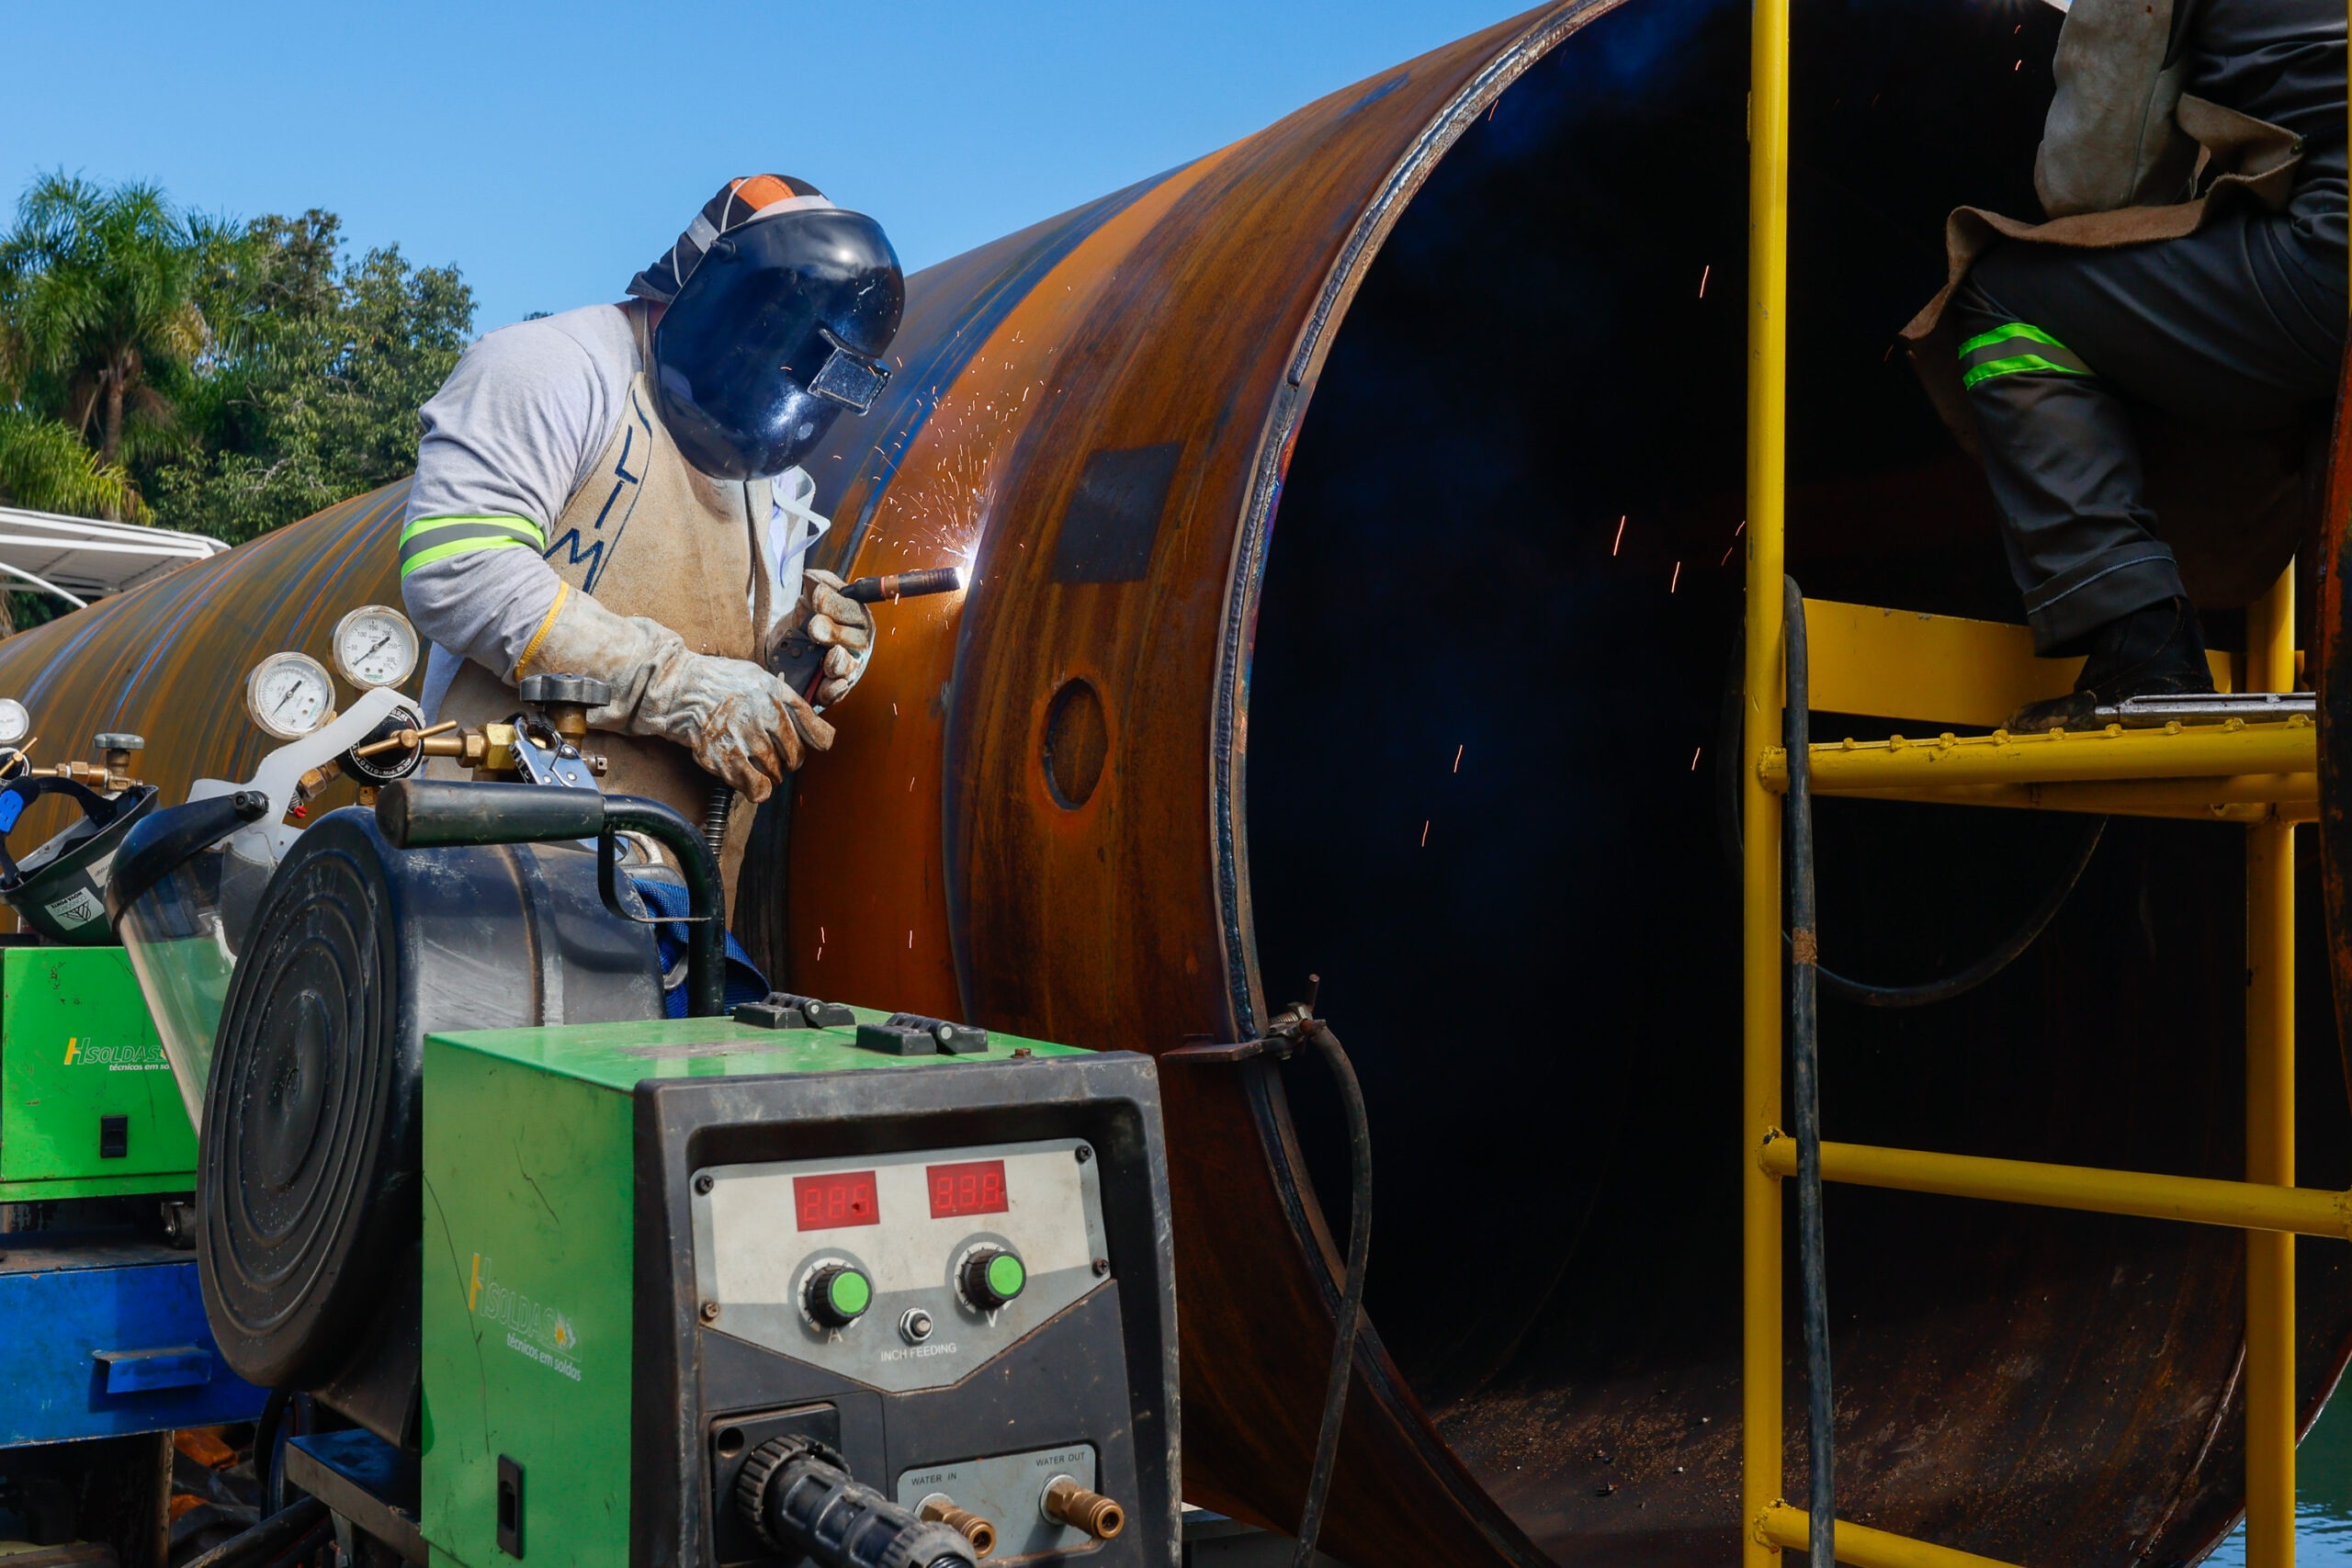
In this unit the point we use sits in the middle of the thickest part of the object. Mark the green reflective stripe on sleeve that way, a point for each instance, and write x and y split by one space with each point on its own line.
435 539
523 529
456 547
2018 364
2001 335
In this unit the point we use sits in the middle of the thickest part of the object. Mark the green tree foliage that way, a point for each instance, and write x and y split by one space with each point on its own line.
319 367
44 466
216 376
98 293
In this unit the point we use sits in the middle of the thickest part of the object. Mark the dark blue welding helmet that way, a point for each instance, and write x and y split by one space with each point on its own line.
779 331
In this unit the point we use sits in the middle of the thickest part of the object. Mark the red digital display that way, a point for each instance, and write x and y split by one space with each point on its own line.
973 1187
828 1202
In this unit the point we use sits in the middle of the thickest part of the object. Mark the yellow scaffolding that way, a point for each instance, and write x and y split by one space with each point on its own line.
2262 774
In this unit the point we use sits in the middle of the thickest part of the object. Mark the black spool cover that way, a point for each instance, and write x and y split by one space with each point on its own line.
307 1227
310 1118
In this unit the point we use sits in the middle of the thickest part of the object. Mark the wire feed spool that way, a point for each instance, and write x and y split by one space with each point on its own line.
308 1198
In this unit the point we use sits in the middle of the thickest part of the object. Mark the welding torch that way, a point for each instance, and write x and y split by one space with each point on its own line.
802 662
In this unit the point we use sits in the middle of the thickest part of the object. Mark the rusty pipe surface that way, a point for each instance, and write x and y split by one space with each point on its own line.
1352 517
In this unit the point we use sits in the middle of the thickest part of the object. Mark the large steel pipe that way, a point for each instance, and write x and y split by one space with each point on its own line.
1450 735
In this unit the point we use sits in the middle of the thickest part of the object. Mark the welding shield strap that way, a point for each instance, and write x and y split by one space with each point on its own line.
60 888
98 813
780 329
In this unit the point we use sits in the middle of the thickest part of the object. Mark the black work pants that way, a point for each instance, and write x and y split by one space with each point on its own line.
2237 327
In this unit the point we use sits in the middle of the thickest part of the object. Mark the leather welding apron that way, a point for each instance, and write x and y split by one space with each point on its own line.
647 533
2216 521
2243 161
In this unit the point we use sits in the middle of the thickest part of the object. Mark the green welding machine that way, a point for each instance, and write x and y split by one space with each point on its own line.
590 1286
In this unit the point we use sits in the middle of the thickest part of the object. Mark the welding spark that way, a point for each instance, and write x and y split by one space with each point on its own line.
1676 582
1621 535
1694 759
1425 835
1703 278
1457 757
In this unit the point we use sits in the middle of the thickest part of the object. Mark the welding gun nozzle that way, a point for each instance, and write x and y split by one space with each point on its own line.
905 584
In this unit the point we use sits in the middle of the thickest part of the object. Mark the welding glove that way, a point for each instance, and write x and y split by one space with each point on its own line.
839 625
742 724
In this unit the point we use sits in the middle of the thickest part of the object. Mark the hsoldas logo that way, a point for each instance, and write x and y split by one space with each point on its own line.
142 1058
533 1328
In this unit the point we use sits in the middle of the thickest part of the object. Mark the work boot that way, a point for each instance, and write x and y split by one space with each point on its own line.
2155 651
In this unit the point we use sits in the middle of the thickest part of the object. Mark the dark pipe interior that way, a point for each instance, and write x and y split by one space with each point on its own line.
1483 773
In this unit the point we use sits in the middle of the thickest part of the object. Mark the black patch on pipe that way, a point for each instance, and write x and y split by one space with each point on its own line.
1113 517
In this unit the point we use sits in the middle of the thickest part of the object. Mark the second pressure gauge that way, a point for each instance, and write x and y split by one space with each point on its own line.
15 722
375 645
289 695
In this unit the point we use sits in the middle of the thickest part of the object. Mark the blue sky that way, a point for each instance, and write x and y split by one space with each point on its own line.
550 149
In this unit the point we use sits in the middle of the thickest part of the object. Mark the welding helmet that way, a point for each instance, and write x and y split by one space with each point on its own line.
777 332
60 890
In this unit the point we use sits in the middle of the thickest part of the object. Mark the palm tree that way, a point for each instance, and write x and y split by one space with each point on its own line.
99 293
44 466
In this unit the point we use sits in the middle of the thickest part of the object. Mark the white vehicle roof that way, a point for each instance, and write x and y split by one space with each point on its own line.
81 559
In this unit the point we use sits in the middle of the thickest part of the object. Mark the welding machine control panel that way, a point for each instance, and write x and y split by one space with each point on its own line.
903 1271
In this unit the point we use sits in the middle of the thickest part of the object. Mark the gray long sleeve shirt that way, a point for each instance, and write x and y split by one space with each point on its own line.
512 434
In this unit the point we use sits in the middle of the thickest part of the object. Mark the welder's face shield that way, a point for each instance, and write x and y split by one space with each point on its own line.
183 895
780 329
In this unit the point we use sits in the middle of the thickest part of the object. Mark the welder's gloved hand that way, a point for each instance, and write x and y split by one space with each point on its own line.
839 625
741 724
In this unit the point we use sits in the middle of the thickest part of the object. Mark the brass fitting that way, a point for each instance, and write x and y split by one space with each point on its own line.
1068 1503
105 780
941 1509
497 755
115 748
314 783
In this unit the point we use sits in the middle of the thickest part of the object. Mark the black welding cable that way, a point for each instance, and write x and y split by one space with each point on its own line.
1343 1348
1961 981
281 1537
266 1428
1804 1060
1943 988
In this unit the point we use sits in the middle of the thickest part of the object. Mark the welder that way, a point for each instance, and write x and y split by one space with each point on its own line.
612 491
2192 167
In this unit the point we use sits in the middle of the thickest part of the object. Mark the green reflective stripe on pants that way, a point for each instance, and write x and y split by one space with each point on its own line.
2021 364
2002 334
2015 347
434 538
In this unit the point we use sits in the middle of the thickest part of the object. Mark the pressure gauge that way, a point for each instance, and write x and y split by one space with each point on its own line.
289 695
15 722
375 645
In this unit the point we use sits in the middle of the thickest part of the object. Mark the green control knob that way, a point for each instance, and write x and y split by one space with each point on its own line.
837 1296
991 1278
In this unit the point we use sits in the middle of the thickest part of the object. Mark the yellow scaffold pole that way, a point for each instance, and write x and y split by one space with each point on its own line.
1768 346
2270 1398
